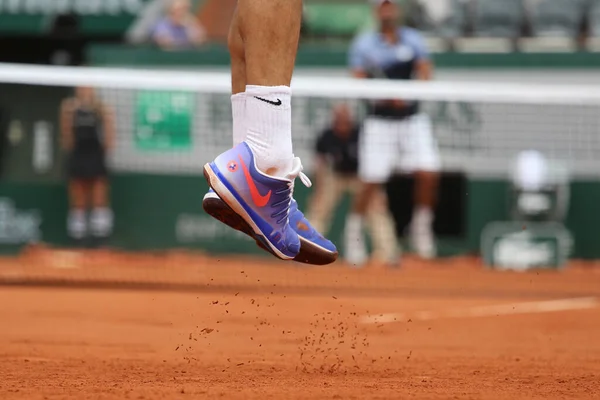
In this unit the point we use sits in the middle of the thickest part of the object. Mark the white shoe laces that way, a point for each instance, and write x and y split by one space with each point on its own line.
296 172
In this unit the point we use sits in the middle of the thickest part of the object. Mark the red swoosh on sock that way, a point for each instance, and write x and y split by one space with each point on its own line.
258 199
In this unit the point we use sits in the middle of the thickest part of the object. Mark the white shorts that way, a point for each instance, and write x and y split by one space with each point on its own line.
387 145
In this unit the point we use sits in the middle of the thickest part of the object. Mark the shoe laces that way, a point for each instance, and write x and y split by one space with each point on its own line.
296 172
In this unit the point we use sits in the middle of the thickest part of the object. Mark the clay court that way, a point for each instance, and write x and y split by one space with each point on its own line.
117 326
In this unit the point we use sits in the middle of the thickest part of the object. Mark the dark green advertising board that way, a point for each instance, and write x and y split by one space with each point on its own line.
98 17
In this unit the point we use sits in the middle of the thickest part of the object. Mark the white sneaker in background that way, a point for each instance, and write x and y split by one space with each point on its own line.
422 240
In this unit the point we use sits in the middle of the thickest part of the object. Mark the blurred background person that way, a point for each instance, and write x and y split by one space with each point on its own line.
396 134
336 170
179 29
87 133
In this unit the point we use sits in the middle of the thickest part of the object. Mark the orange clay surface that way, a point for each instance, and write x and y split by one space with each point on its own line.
109 326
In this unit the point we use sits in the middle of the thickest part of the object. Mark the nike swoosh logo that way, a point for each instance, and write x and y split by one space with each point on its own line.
302 226
275 103
257 198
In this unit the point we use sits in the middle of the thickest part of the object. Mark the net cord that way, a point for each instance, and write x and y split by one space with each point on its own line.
329 87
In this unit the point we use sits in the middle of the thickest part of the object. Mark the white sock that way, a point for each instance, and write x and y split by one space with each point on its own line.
77 224
422 216
269 128
238 112
354 223
355 246
101 222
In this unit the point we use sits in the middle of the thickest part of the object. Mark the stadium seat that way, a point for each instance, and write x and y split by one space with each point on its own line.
556 18
453 23
547 45
438 20
593 41
496 25
483 45
416 14
555 25
430 17
498 19
336 19
594 18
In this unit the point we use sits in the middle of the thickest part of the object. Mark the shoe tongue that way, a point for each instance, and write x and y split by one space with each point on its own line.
297 172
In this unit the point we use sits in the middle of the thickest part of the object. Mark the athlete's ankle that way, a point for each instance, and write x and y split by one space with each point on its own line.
269 128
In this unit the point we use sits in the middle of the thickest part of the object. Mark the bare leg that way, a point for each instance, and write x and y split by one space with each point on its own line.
325 199
371 202
270 30
383 232
355 245
238 80
77 194
100 192
426 185
364 197
238 57
264 39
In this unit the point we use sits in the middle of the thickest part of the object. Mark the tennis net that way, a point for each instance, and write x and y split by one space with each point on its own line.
168 124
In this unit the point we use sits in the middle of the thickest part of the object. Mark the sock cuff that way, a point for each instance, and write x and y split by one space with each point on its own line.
423 214
354 221
103 210
77 213
254 90
238 97
268 98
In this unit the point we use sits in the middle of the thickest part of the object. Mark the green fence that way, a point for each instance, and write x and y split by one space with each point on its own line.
158 212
